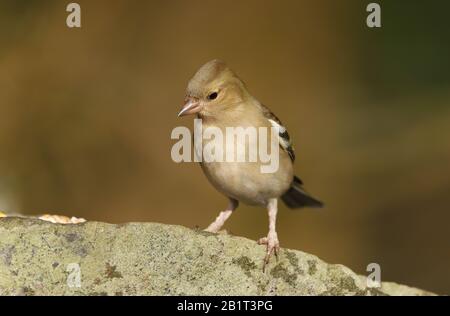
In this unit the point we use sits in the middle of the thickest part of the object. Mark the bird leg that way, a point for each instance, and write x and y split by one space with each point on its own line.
273 245
223 216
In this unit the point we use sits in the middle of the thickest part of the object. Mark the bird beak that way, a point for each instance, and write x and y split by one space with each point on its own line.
191 106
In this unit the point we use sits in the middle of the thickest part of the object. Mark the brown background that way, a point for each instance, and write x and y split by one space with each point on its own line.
86 116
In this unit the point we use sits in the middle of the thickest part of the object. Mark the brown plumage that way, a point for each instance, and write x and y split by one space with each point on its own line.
217 96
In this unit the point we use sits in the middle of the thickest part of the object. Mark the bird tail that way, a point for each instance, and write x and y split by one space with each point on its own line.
296 197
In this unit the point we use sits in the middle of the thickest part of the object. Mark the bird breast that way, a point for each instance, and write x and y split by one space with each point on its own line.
229 163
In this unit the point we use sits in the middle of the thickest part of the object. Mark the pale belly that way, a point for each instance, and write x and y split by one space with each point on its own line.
245 181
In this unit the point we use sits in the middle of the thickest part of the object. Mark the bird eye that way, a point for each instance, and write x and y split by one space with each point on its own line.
213 96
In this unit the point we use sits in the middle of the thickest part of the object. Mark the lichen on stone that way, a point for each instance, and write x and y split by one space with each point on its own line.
158 259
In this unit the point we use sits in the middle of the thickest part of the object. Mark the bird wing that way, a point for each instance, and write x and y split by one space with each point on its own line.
283 136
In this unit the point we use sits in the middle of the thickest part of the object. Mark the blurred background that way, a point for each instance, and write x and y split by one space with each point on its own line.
86 116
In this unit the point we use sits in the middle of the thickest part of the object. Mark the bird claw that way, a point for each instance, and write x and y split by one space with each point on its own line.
273 247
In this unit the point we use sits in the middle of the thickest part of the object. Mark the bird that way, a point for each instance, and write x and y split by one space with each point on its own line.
220 99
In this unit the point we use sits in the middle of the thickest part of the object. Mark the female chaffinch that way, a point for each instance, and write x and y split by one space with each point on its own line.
221 100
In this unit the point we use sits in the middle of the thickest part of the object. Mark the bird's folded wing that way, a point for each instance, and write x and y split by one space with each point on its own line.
285 140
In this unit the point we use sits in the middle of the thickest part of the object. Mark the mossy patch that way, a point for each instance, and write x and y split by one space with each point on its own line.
280 272
71 237
293 260
6 254
312 267
344 284
28 291
246 264
111 272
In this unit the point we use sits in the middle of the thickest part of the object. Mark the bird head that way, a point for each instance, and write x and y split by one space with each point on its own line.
213 89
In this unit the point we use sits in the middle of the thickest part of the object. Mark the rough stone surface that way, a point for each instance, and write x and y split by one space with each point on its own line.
37 258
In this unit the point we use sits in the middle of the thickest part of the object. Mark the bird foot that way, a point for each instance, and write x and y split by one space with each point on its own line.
208 230
217 231
212 229
273 247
